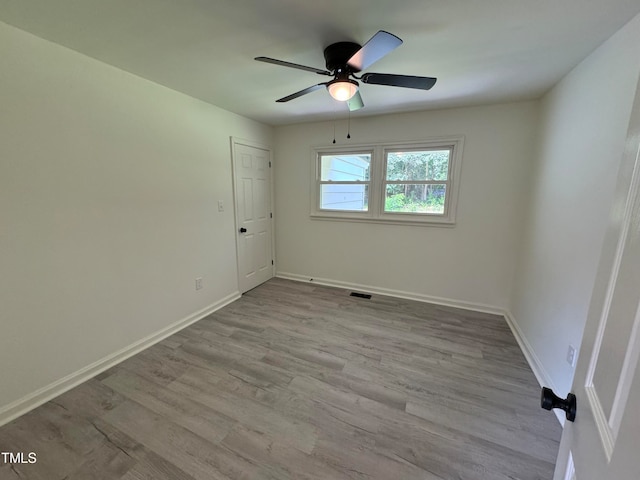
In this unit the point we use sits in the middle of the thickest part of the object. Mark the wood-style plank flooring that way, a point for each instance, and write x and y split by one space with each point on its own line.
299 381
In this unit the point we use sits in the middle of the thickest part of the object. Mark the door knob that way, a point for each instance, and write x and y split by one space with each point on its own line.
243 230
549 401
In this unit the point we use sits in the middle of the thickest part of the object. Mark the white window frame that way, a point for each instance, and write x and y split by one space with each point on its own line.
318 169
377 183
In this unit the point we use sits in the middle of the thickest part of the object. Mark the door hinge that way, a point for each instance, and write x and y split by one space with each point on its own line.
269 163
271 262
271 215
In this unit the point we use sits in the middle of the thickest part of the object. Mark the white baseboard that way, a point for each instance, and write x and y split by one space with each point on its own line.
544 380
449 302
35 399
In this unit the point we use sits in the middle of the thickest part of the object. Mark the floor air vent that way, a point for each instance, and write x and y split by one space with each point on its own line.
360 295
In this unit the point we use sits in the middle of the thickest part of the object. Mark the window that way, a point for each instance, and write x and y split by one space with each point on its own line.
345 181
413 183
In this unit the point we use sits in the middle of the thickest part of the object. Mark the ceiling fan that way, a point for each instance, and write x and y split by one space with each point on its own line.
345 59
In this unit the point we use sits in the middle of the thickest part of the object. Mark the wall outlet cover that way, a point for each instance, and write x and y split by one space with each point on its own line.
571 356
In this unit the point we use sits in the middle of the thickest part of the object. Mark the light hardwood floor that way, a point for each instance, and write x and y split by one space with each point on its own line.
299 381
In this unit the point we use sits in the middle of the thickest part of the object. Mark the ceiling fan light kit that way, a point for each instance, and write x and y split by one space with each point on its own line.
342 89
344 60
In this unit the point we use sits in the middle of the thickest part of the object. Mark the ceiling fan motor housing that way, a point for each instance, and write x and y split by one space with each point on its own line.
336 55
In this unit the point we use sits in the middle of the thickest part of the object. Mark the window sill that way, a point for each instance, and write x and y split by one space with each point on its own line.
404 220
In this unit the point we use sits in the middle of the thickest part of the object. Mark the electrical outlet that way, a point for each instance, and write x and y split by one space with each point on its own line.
571 356
220 206
199 283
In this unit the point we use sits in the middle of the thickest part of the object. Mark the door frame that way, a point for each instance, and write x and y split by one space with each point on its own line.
234 141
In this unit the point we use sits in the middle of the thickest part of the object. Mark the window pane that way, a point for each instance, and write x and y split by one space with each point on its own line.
415 198
354 197
424 165
345 167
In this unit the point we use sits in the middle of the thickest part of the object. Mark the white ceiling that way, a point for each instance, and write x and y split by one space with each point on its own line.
481 51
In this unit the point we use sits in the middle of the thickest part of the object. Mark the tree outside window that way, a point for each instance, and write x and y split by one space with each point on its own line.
416 181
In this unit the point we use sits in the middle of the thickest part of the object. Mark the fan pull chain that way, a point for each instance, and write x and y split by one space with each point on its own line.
334 131
349 126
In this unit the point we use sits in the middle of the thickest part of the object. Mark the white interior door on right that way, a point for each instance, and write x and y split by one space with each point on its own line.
604 441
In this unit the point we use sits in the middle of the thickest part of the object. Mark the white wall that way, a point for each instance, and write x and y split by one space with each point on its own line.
472 263
584 123
108 210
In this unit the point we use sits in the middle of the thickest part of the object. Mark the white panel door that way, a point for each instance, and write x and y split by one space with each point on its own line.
251 167
604 441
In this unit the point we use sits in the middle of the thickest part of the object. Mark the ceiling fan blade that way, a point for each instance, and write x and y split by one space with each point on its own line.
282 63
406 81
372 51
355 102
310 89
